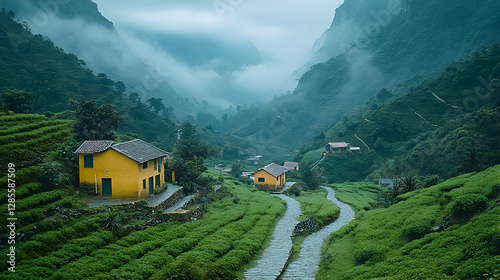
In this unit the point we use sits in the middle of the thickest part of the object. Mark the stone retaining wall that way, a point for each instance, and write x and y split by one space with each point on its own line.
306 227
181 216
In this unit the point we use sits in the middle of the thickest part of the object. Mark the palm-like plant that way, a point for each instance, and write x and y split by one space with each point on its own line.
112 222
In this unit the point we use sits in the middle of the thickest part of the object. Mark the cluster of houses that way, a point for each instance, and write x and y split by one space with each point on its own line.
135 168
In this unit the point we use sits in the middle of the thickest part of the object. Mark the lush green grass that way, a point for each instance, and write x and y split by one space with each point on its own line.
230 234
361 196
26 138
312 157
315 204
397 243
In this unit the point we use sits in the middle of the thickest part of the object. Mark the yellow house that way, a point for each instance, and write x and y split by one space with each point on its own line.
129 169
271 177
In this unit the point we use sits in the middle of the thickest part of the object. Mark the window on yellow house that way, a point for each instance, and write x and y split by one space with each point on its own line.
155 164
88 161
144 184
261 180
145 165
159 164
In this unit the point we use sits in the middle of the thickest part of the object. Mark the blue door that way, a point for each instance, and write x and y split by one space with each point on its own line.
106 187
151 186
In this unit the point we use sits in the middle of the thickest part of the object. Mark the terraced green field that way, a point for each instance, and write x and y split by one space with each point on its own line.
26 138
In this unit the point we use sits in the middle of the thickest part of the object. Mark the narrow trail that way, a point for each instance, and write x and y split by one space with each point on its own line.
274 257
307 264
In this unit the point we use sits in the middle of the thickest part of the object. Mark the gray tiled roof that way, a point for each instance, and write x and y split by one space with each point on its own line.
274 169
139 150
93 147
335 145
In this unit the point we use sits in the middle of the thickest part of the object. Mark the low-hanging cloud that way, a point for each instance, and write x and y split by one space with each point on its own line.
282 31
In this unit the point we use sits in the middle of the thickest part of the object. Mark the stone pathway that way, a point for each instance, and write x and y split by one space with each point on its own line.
157 199
307 264
274 257
106 201
179 204
99 201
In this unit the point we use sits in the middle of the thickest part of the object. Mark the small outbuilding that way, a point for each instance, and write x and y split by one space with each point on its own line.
385 183
291 165
337 148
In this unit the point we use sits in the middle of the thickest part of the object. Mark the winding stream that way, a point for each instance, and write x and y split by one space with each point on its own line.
274 257
307 264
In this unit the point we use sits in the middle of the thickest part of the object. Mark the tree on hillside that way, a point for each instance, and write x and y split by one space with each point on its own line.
156 104
236 169
312 177
189 154
95 123
19 101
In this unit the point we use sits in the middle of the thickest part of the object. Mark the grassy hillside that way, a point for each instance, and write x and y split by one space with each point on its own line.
400 242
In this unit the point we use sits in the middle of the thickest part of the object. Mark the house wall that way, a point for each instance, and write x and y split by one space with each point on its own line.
126 174
331 150
148 173
270 183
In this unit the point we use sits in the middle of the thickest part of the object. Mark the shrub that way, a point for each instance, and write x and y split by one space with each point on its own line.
368 254
467 205
88 188
112 222
417 229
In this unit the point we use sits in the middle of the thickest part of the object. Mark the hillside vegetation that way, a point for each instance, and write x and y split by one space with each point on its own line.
443 126
409 44
57 237
26 138
448 231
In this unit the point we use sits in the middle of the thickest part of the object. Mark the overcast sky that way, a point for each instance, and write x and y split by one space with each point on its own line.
284 31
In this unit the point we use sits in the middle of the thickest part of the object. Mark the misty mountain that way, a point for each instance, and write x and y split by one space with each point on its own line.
200 51
147 66
442 126
401 43
32 63
183 70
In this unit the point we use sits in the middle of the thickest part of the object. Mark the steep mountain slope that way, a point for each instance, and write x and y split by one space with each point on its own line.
416 41
32 63
443 126
155 64
78 27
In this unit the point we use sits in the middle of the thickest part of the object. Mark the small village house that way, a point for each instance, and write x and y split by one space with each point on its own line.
355 149
337 148
130 169
254 159
270 177
291 165
385 183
